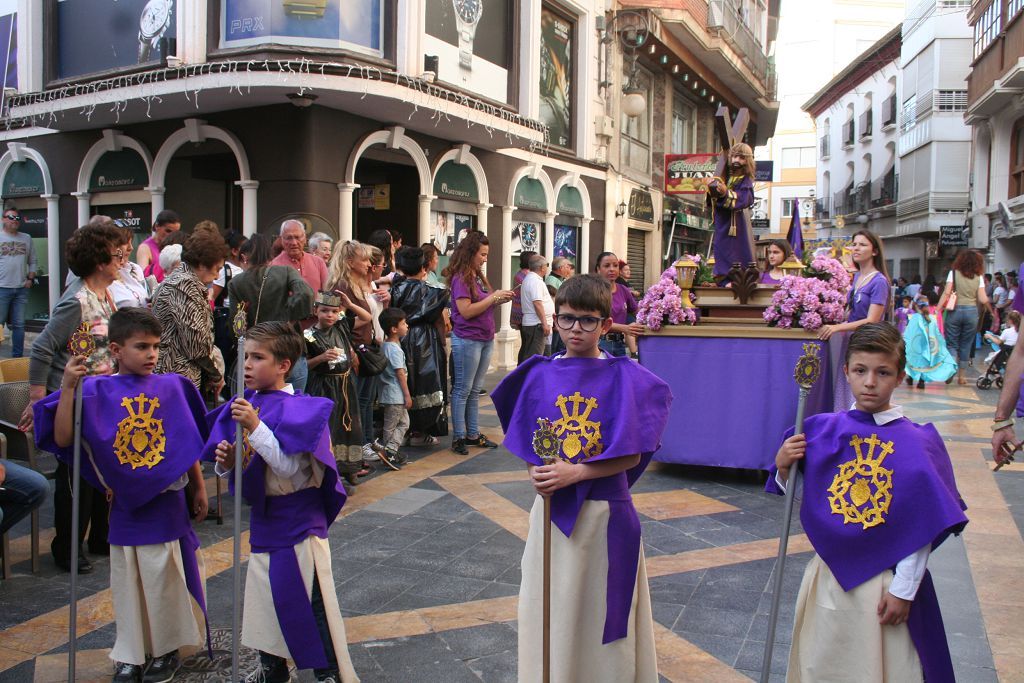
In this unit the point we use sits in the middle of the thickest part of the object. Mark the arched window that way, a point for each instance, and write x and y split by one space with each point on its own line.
1017 159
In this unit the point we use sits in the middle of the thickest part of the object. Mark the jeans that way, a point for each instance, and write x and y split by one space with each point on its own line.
24 490
299 374
12 312
367 389
470 359
320 615
616 347
961 328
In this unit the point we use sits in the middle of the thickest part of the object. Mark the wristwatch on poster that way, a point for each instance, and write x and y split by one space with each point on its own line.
305 9
467 17
156 17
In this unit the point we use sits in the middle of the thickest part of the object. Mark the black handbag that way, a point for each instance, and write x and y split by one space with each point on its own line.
371 361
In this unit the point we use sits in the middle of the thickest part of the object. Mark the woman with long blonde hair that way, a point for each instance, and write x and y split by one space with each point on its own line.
472 337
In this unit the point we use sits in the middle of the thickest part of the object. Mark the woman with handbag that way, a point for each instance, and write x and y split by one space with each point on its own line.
964 291
350 275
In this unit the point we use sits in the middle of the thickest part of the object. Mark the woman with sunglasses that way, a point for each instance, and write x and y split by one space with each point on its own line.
94 254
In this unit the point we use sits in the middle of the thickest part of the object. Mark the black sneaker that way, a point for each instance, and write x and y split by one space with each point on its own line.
162 669
276 674
127 673
920 384
459 446
391 459
910 381
481 442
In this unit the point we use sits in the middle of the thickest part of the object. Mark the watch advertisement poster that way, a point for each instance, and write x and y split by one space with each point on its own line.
123 34
449 229
567 242
472 40
525 237
556 47
307 23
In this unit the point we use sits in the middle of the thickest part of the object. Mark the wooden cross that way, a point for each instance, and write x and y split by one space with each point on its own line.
729 133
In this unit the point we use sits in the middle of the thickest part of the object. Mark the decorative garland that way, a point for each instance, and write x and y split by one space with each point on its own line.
421 89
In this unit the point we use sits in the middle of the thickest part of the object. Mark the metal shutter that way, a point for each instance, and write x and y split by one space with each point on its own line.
636 256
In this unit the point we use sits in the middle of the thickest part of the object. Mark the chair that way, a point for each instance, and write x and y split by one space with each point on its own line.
19 445
14 370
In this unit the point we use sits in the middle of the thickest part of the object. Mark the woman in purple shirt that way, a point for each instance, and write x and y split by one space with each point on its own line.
472 337
869 293
623 304
778 252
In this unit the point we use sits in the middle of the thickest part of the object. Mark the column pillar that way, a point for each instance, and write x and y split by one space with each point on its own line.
584 256
504 357
249 206
345 193
83 208
156 199
53 245
549 236
423 219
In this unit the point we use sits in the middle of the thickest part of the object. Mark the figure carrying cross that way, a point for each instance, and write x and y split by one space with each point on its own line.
731 193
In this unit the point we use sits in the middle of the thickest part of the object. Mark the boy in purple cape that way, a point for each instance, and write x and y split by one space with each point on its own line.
290 480
878 496
599 418
141 438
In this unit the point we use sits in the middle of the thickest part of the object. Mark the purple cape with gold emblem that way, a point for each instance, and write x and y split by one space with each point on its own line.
140 434
873 495
278 523
599 409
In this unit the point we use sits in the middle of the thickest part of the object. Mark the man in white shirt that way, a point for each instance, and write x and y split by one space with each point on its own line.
538 309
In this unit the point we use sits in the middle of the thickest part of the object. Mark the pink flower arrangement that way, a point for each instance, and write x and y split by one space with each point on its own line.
663 304
815 299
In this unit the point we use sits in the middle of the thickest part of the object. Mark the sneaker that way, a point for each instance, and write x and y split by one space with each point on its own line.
127 673
393 459
910 381
329 678
276 674
370 452
481 442
920 384
162 669
459 446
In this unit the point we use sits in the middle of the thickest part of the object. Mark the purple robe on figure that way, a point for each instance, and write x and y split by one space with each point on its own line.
901 476
140 434
630 408
729 217
278 523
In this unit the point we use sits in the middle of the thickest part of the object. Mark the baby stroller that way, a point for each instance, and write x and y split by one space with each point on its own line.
994 371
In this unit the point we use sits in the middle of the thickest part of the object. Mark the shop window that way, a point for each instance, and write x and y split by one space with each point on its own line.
1017 159
635 140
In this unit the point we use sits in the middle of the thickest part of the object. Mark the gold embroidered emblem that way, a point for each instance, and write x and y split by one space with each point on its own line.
140 440
546 443
862 491
581 437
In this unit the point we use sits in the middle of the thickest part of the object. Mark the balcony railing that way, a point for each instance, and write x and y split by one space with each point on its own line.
823 145
852 200
823 208
889 111
726 20
865 125
848 133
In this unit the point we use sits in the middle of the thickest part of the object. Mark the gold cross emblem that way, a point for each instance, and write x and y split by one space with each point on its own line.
140 440
862 491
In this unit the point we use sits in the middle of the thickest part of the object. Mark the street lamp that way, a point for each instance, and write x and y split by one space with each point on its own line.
632 36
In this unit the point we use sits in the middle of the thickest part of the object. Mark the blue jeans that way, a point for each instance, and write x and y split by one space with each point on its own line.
470 359
24 490
12 312
961 328
367 388
299 374
616 347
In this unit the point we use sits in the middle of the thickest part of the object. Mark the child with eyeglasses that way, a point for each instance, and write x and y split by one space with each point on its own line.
575 419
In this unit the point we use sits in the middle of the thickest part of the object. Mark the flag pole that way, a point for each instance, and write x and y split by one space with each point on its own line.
239 324
81 344
808 367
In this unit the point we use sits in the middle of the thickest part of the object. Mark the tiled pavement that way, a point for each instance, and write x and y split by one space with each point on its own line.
427 566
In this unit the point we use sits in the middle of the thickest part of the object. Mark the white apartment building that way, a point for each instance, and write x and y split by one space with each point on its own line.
934 143
855 116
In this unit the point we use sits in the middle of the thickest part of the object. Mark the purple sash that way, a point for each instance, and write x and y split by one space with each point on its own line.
929 634
275 528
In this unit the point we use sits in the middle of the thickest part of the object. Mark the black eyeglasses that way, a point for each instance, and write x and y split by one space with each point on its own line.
12 217
588 323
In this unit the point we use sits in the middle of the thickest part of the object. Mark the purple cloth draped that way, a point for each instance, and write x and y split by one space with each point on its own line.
728 211
795 236
1018 299
924 507
900 317
624 396
278 523
182 424
720 376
